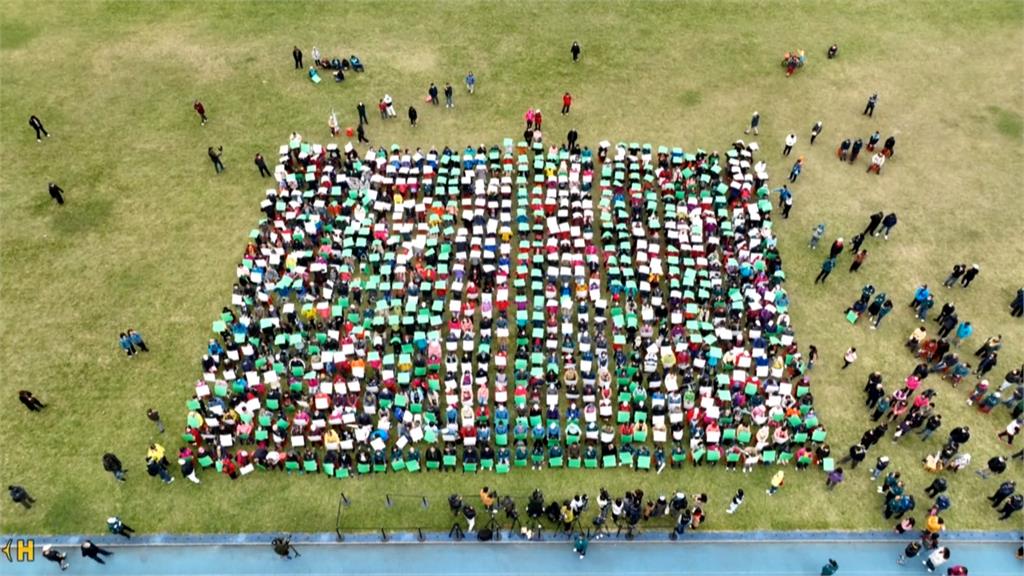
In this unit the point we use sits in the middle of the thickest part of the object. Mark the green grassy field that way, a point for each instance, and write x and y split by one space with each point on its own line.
150 236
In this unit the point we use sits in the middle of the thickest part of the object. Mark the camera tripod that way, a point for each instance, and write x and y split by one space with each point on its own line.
494 526
630 528
574 526
456 532
515 525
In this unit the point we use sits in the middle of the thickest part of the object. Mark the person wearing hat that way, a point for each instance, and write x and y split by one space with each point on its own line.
54 555
90 550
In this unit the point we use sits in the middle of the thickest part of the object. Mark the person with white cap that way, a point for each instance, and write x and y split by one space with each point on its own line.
54 555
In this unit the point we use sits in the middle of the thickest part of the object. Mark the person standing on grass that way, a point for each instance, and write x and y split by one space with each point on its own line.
834 478
776 484
855 456
188 469
297 56
855 150
755 121
137 340
963 332
830 568
877 161
856 242
873 222
112 464
888 223
470 82
844 150
836 249
432 92
571 138
996 465
873 141
90 550
815 131
55 556
880 465
361 109
826 268
797 168
332 123
57 193
215 155
789 143
31 402
954 275
361 134
1017 304
1011 431
883 311
20 496
154 417
154 468
575 51
201 111
126 344
924 308
37 125
262 165
869 109
858 260
812 357
538 119
413 115
119 528
449 94
786 200
849 357
1012 506
1005 490
566 103
816 236
736 502
970 275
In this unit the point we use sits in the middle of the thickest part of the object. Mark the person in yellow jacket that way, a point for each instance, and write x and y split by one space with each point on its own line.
157 453
777 482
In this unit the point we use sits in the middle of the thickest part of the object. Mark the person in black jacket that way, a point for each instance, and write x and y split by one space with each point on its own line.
20 496
297 56
970 275
361 108
262 165
218 166
873 224
57 193
112 464
90 550
412 116
1004 492
30 401
855 149
37 125
571 137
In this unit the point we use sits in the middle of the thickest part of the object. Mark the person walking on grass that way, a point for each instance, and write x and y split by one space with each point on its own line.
21 496
1017 304
789 143
361 134
755 121
37 125
837 248
996 465
873 222
154 417
449 95
566 103
830 568
815 131
575 51
119 528
470 82
888 223
1005 490
816 236
858 260
776 483
855 455
201 111
736 502
826 268
215 155
126 344
880 465
797 168
1012 506
869 109
954 275
970 275
262 165
137 340
855 150
963 332
57 193
112 464
834 478
31 402
90 550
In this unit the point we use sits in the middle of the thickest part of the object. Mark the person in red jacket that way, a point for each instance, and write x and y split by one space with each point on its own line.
566 103
201 110
537 119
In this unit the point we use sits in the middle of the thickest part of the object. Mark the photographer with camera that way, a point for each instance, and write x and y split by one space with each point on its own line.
455 504
535 507
283 547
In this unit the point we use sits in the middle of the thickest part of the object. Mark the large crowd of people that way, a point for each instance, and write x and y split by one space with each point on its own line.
442 309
